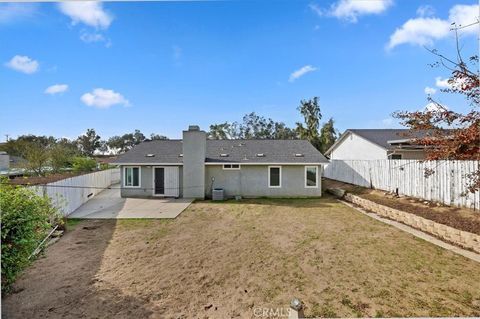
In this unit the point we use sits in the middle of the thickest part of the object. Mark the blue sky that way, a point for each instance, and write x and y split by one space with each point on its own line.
160 66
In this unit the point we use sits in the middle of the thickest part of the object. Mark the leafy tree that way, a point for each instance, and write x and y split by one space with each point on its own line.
103 147
84 164
462 140
310 110
138 137
37 158
253 126
328 135
116 144
155 137
222 131
89 142
60 156
26 219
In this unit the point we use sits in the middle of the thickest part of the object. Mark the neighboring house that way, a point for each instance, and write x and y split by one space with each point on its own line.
9 165
373 144
193 166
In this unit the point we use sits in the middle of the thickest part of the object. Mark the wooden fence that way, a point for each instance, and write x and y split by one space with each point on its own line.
70 193
447 183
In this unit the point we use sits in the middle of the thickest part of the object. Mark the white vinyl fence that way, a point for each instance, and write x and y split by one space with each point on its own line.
71 193
447 183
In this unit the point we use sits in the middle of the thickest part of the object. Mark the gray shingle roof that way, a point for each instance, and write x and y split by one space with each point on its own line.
381 137
239 151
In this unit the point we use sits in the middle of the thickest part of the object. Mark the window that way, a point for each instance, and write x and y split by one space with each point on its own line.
132 176
274 176
396 156
311 176
231 166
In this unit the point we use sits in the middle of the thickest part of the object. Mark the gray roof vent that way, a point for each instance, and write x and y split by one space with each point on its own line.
224 155
149 155
194 128
260 155
298 155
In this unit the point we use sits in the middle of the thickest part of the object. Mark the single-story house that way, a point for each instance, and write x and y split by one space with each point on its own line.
193 166
374 144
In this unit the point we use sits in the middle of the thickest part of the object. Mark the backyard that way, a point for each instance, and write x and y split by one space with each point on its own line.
230 259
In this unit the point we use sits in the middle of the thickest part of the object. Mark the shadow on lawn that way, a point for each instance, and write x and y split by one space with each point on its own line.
326 200
65 282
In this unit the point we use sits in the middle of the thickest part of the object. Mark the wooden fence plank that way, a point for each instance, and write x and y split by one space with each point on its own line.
446 185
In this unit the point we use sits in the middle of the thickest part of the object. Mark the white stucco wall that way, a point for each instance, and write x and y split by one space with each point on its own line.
354 147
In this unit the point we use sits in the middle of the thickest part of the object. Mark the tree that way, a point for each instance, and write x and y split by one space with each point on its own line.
60 156
253 126
37 158
310 110
116 144
138 137
328 135
156 137
89 142
222 131
103 147
462 139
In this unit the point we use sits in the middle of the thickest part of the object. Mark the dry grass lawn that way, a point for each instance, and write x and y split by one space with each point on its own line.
223 260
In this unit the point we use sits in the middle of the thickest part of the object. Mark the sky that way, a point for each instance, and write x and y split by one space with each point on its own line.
161 66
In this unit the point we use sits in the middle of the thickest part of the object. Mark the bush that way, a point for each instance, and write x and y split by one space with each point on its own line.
26 219
84 164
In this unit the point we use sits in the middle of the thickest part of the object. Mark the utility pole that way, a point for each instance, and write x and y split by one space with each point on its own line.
6 135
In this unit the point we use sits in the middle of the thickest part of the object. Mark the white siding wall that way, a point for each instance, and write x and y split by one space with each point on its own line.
354 147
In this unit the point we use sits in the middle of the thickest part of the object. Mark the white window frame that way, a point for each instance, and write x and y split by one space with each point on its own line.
231 168
280 177
125 176
316 176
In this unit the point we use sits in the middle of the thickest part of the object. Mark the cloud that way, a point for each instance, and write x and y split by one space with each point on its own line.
442 83
23 64
419 31
464 15
425 30
11 12
350 10
95 37
103 98
301 72
430 91
315 8
90 13
425 11
56 88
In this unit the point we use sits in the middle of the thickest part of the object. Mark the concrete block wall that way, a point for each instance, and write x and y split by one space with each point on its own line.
459 237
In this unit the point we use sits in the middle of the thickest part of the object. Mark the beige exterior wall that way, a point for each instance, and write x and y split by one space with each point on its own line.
411 154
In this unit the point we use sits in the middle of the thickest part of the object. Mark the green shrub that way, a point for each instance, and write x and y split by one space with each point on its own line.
84 164
26 219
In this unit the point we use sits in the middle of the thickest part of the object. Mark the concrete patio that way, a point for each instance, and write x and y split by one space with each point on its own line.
109 205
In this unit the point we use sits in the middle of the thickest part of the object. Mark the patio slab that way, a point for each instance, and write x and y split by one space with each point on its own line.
109 205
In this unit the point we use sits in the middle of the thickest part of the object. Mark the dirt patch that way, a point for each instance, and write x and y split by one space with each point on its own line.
38 180
459 218
226 260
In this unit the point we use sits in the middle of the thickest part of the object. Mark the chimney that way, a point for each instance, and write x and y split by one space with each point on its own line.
194 153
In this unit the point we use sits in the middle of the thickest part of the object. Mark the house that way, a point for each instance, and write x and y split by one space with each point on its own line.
374 144
194 166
